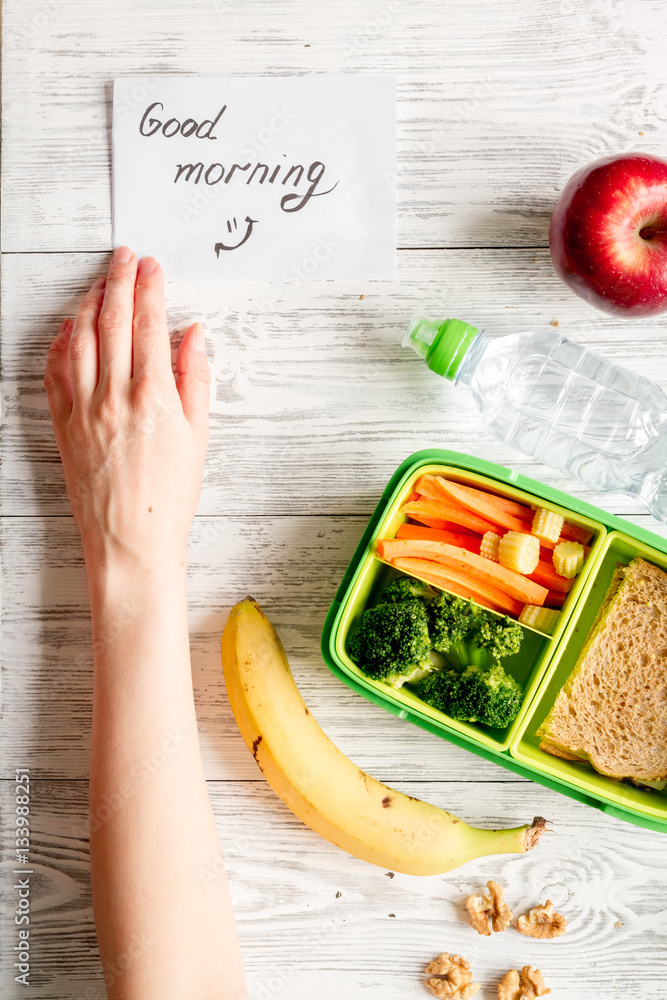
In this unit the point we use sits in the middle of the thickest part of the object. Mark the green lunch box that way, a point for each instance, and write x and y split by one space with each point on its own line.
543 663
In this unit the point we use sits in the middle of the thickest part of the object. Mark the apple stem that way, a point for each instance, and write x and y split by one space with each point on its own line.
653 232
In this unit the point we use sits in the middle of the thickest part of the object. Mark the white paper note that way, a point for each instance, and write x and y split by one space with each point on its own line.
257 178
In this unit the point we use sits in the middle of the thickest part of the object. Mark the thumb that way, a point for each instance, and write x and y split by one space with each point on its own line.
194 378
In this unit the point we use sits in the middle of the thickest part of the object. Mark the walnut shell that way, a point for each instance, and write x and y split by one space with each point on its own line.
526 985
454 982
542 922
487 912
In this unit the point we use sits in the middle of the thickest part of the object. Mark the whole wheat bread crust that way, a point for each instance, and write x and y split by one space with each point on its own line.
612 709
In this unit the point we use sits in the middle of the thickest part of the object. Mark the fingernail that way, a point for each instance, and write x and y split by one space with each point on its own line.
201 338
65 323
147 265
122 255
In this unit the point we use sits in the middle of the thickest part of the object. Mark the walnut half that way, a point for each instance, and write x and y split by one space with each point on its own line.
491 909
542 922
525 986
454 978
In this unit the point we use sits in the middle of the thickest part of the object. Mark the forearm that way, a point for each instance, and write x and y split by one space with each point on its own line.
157 873
132 434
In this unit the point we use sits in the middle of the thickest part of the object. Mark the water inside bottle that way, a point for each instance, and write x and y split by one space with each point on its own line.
574 410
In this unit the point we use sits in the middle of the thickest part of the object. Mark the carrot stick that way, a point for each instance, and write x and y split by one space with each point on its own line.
479 503
461 538
437 524
554 599
435 488
487 510
419 509
448 579
547 545
571 533
545 574
509 506
429 488
476 569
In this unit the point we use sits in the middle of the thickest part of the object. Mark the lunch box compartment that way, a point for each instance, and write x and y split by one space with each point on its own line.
618 547
526 666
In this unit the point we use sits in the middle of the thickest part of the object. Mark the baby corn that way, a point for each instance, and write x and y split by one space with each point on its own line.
542 619
568 558
547 524
518 551
489 546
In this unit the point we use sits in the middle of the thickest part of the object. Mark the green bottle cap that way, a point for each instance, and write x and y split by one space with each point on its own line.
443 344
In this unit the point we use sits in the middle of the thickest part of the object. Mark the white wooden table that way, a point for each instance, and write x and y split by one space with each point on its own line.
314 404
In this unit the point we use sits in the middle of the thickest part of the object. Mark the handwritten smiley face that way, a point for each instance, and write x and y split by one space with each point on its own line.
223 246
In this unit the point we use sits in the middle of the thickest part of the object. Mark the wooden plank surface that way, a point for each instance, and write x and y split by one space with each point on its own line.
291 565
498 102
314 402
310 916
313 405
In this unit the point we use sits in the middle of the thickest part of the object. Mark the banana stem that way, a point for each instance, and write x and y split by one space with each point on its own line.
515 841
534 832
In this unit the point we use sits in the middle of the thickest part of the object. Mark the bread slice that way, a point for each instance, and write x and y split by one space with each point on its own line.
612 710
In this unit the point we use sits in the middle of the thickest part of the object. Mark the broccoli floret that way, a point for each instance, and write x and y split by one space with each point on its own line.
489 696
499 636
405 588
392 643
469 634
395 638
451 619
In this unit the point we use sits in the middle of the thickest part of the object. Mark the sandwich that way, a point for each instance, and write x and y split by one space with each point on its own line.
612 710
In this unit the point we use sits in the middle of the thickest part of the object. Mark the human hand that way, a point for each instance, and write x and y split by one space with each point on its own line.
132 439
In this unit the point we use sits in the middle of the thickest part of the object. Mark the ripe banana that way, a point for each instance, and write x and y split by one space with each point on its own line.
322 786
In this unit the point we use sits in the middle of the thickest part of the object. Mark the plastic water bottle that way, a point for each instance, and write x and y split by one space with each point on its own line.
566 406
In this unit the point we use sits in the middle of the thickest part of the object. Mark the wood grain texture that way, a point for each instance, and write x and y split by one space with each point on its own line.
314 402
498 103
291 565
312 917
313 405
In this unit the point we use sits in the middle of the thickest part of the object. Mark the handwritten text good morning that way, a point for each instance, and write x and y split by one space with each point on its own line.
206 169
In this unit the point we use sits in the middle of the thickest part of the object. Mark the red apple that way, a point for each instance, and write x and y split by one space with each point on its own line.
608 234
